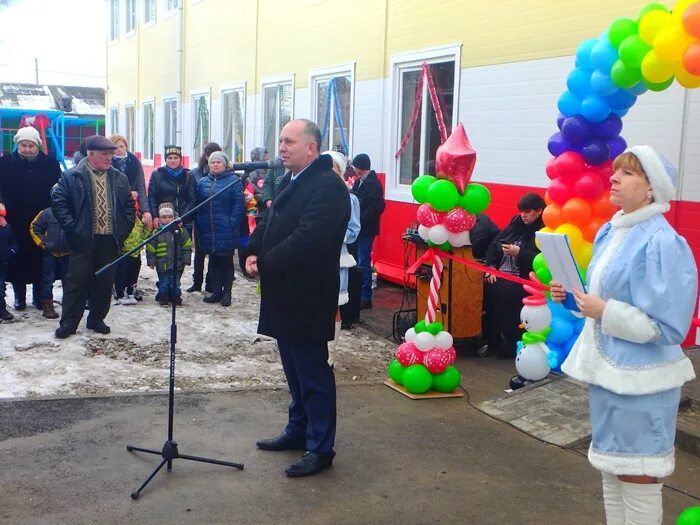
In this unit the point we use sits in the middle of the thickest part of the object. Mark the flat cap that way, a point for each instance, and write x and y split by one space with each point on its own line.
99 143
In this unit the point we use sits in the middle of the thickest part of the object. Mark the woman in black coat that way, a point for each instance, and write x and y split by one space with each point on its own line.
512 251
172 183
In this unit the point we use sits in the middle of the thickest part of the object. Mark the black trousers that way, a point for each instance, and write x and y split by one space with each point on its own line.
127 276
80 282
502 303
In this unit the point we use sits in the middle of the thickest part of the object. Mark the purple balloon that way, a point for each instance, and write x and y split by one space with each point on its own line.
596 152
560 121
617 146
557 144
576 129
609 128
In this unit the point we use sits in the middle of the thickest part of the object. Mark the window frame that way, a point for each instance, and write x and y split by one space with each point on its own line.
193 116
130 138
114 21
268 82
144 5
325 74
231 88
134 4
165 100
407 61
146 160
114 119
170 11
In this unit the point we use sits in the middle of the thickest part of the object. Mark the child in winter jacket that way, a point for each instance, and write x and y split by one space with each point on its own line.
48 235
128 269
8 248
160 254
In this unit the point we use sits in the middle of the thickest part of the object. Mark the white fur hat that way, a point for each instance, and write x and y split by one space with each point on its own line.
338 158
27 133
662 175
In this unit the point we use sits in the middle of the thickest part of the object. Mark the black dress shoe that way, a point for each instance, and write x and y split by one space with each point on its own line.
5 315
310 463
282 442
98 326
364 305
20 305
345 326
194 288
64 331
213 298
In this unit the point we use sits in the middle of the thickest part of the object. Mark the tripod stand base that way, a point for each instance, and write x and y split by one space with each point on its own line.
169 453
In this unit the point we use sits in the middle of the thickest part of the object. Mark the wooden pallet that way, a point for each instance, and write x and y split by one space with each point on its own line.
431 394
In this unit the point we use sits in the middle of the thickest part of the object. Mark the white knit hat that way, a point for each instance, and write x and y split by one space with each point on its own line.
27 133
338 158
662 175
220 155
166 209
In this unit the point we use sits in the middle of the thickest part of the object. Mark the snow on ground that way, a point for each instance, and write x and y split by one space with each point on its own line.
216 348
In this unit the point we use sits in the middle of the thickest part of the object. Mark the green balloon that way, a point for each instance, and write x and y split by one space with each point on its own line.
660 86
632 51
619 29
583 273
420 327
623 76
442 195
435 328
650 7
419 188
396 372
538 262
417 379
445 246
690 516
476 198
447 381
544 275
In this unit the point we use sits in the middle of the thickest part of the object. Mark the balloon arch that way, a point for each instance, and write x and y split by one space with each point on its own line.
630 57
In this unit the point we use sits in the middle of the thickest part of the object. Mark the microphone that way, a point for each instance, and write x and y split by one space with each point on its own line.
252 166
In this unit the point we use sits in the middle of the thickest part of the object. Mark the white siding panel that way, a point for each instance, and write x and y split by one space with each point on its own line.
251 125
301 104
216 132
367 129
690 168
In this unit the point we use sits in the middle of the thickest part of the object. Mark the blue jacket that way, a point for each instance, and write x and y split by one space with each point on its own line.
219 220
8 243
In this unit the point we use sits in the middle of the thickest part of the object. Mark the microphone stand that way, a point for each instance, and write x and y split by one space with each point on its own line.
169 452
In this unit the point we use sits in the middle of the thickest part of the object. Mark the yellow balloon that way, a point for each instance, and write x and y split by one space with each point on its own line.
583 254
687 80
546 229
651 23
655 69
680 7
574 234
671 42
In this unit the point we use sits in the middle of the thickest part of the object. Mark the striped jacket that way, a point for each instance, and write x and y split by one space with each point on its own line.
160 252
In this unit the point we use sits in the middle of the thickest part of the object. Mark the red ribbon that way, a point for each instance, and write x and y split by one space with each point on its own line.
436 103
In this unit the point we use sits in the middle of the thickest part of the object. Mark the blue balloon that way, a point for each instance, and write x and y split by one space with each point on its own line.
602 84
620 112
595 108
579 82
603 55
596 152
569 104
560 120
638 89
558 144
617 145
609 128
576 129
621 99
583 53
562 331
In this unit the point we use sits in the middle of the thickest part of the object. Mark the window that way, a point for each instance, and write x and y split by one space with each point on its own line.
114 19
113 120
148 127
326 101
172 5
277 111
200 112
130 126
149 11
233 108
170 122
130 8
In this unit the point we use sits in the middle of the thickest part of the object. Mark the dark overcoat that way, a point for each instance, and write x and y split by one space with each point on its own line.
25 189
298 247
370 193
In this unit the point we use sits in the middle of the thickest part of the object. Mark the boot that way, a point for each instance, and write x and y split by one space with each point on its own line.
196 287
228 279
643 503
47 309
612 499
215 279
20 290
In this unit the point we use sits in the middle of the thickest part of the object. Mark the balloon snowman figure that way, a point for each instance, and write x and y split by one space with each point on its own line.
532 360
447 213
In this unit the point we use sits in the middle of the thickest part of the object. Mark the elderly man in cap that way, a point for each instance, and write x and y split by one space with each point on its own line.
92 203
26 178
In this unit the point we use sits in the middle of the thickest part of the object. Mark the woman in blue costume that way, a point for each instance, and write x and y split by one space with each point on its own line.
641 296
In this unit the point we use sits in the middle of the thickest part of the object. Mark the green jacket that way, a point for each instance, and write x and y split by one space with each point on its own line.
160 251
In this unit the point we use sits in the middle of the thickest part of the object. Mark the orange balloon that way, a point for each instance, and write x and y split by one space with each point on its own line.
590 229
602 207
691 59
547 198
691 20
576 211
687 80
551 216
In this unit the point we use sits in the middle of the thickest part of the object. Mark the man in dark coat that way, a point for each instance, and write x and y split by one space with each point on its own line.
92 203
296 251
371 195
26 178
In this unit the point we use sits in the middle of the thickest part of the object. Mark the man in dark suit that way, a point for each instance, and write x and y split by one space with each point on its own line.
296 252
371 195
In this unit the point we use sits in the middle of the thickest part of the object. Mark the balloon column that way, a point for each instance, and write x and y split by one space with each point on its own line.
447 212
611 71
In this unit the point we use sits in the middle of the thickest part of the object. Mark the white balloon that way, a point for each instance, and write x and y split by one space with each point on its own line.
444 340
439 234
459 239
410 335
424 232
532 362
425 341
536 318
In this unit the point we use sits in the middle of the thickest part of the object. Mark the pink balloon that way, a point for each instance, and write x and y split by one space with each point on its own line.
459 220
551 168
408 354
569 165
455 159
589 187
436 361
451 354
559 191
428 217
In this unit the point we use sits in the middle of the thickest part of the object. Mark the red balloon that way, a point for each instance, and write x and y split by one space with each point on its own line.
436 360
551 168
569 165
459 220
451 354
408 354
455 159
560 191
590 186
428 217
